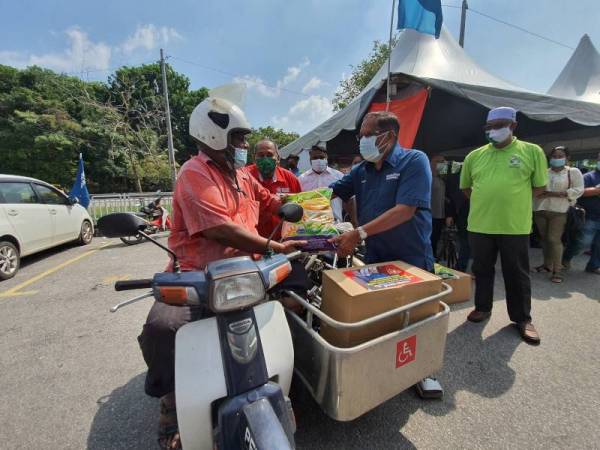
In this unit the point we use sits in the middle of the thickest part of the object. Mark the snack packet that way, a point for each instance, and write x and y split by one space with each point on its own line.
318 224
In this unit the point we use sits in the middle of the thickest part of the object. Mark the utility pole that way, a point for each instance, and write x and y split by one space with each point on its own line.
163 69
463 18
389 65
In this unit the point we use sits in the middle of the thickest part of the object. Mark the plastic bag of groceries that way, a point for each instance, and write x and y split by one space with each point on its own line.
317 226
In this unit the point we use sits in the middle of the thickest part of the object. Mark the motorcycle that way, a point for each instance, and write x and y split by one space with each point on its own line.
153 217
233 369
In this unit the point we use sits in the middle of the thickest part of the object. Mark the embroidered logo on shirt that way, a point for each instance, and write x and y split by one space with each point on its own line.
392 176
514 161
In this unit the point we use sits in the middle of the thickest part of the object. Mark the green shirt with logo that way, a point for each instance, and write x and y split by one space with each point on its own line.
501 180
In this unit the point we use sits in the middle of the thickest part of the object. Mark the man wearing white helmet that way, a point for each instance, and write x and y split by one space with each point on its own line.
215 215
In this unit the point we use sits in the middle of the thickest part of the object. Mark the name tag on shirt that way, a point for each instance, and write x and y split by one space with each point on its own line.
392 176
283 190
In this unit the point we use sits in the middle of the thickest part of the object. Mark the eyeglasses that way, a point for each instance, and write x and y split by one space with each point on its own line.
496 126
375 133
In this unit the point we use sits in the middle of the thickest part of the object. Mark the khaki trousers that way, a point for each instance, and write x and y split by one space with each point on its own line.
551 226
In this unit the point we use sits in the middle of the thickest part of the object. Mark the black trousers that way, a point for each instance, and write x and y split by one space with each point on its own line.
514 256
437 225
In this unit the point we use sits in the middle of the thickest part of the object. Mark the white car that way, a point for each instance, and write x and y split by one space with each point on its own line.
35 216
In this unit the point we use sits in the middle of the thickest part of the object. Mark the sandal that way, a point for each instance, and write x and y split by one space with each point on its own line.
541 269
556 278
168 429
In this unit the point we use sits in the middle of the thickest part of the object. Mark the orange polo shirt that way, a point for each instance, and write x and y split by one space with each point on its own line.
204 198
282 182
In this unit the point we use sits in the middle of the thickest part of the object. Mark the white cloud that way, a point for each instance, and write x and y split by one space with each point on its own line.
305 114
257 83
313 83
82 54
149 37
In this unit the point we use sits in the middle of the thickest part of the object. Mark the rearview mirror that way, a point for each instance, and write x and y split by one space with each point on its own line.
120 225
72 200
291 212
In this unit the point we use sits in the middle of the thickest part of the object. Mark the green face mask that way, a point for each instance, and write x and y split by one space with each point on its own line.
266 166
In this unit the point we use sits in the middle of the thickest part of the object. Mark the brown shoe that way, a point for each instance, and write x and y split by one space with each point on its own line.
528 333
478 316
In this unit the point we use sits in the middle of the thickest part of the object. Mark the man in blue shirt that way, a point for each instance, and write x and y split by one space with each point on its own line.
393 195
590 235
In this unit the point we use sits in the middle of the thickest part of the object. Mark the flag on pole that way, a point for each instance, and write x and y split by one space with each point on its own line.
79 190
425 16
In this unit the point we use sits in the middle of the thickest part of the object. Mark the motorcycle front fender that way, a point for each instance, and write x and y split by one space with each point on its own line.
200 377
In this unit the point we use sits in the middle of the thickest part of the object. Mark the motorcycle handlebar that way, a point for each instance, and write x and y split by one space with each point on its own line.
125 285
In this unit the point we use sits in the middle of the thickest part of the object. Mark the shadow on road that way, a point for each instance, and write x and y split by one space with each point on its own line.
477 365
126 419
36 257
378 428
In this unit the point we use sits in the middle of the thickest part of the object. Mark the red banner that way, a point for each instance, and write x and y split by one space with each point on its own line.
409 111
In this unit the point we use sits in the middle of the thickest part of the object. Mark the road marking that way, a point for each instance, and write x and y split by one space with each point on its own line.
16 291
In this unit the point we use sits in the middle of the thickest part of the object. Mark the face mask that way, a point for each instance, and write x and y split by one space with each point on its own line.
498 136
266 166
557 162
318 165
368 149
240 158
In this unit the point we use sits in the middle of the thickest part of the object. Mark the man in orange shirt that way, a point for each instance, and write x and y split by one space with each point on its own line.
215 215
272 177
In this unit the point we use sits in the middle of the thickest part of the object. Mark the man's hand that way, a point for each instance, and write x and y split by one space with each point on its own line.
449 221
346 243
282 198
289 246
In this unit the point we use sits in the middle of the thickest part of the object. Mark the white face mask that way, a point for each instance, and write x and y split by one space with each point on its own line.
368 149
318 165
240 158
498 136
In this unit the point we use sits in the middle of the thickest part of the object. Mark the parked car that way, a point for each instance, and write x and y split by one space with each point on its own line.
35 216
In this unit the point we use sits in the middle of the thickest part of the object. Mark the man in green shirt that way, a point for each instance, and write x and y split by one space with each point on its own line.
501 179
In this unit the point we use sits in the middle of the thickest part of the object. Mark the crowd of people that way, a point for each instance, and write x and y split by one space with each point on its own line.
399 200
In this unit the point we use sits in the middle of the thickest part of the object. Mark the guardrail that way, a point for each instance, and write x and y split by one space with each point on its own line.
103 204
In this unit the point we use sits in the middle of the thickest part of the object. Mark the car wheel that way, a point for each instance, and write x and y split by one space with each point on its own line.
87 233
9 260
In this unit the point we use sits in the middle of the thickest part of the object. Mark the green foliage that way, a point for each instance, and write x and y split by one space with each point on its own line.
362 74
279 136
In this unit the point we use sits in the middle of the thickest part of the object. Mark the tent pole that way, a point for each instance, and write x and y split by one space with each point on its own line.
389 67
463 19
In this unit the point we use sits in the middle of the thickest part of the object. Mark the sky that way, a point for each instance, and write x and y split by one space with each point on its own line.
291 54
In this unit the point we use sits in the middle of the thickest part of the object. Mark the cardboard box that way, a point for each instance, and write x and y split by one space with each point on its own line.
351 295
462 284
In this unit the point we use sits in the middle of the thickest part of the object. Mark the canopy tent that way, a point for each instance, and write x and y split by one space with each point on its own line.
580 78
460 94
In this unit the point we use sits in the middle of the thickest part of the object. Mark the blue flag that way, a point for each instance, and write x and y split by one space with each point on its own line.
425 16
79 190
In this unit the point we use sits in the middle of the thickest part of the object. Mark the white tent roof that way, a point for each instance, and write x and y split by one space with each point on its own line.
443 64
580 78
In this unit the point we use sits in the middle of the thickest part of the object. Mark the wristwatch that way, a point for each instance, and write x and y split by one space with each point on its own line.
362 233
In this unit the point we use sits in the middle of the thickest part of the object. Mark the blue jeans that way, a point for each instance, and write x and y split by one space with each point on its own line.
589 236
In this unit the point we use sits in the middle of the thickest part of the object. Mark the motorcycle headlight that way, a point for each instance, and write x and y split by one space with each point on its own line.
236 292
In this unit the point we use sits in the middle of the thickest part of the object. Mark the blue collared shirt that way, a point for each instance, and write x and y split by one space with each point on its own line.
404 179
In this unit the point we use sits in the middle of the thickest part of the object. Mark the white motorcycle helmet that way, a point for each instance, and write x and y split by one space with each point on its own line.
214 119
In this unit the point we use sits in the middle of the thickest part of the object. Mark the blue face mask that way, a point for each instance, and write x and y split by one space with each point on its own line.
240 158
368 149
557 162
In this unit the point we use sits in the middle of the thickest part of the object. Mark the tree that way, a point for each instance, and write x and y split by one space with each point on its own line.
362 74
280 137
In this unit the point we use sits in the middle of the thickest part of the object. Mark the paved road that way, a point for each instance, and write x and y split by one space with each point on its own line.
73 376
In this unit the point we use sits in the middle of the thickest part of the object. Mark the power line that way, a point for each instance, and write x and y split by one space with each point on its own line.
230 74
512 25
